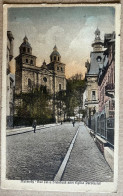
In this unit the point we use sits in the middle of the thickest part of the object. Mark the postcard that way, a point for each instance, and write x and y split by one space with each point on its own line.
60 97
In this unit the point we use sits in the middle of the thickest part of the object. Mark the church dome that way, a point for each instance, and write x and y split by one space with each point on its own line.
25 42
55 56
25 47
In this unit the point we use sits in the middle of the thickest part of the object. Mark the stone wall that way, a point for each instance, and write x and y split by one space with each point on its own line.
60 81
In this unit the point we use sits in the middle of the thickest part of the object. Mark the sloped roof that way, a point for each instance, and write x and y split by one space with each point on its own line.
50 66
55 52
94 64
25 42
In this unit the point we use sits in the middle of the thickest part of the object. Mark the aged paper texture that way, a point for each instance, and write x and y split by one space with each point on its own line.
60 114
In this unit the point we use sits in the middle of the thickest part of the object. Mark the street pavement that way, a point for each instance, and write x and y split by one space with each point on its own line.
38 156
86 162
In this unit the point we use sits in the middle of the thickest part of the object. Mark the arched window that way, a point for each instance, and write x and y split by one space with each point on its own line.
54 58
57 68
29 83
93 95
59 87
24 49
31 62
97 35
58 58
61 69
45 79
28 49
26 60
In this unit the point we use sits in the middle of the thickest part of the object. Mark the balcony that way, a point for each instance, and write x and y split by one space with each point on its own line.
88 102
109 90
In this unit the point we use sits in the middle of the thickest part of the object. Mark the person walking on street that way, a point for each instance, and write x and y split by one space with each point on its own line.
73 123
34 125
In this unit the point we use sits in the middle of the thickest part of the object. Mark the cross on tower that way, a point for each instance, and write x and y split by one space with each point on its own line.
55 39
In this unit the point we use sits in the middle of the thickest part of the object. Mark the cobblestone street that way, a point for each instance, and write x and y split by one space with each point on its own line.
38 156
86 162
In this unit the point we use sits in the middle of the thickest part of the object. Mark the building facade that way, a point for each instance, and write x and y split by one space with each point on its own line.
101 113
100 90
106 89
28 76
10 81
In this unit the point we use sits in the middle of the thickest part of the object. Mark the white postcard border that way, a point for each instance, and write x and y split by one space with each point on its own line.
60 186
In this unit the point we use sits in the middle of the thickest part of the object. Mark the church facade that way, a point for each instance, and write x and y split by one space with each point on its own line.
29 76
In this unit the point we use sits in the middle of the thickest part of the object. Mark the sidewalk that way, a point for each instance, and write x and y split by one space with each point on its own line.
86 163
28 129
106 149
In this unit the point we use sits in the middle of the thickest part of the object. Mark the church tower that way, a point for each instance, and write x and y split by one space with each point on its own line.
24 62
58 69
96 60
97 44
26 53
55 56
25 47
55 61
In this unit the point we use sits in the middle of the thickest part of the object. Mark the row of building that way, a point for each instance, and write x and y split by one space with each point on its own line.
99 96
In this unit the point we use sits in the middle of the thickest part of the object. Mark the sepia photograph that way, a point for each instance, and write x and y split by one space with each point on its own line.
60 72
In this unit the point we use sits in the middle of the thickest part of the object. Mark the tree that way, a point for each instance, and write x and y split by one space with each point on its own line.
34 105
67 101
75 89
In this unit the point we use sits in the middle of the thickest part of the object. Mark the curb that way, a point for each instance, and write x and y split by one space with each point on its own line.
30 129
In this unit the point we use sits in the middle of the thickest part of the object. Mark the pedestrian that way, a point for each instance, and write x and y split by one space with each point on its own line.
34 125
73 123
61 122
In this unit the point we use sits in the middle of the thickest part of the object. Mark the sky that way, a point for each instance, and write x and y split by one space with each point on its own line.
70 28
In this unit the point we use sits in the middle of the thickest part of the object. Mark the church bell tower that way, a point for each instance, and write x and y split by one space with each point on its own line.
55 57
97 44
26 53
24 61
